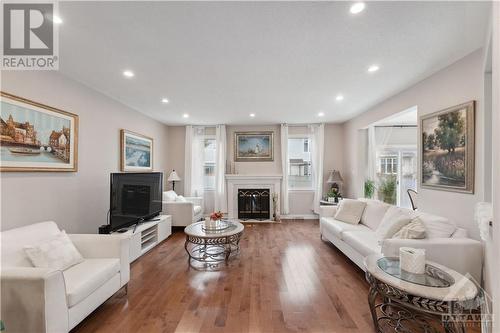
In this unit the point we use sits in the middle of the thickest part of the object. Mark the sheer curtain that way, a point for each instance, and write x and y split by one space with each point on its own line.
193 161
285 164
317 156
220 169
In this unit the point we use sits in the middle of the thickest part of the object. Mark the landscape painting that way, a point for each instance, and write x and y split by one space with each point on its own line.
448 149
253 146
36 137
136 152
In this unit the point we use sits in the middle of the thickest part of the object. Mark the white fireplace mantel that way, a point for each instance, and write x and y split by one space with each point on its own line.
241 181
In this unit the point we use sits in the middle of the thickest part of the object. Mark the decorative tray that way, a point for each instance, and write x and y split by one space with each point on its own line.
218 226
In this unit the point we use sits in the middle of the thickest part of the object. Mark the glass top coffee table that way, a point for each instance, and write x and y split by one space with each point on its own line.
208 248
430 302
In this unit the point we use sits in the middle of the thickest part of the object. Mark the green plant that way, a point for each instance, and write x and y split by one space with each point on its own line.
334 192
369 188
387 190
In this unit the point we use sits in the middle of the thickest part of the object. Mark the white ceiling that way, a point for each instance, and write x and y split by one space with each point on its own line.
283 61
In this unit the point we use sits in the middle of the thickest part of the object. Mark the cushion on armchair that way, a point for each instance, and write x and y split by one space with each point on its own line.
169 196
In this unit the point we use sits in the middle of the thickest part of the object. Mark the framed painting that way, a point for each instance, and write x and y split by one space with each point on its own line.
36 137
136 152
447 149
253 146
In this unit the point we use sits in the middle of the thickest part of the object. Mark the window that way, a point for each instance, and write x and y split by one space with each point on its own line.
300 169
209 164
389 165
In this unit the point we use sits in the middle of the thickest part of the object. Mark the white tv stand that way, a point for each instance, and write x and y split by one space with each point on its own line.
147 235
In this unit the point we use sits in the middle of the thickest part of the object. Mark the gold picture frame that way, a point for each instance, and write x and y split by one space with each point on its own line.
447 149
254 146
136 152
36 137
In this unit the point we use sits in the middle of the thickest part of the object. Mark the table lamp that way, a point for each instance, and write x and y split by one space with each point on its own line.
173 177
336 180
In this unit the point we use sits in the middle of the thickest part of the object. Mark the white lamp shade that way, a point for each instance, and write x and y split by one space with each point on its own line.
335 177
173 177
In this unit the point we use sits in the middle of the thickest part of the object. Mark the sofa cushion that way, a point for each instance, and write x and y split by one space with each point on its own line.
180 198
196 210
169 196
437 226
57 252
13 242
85 278
364 242
374 213
350 211
413 230
394 219
338 227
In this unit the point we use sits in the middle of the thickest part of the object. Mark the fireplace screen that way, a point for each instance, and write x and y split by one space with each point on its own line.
253 204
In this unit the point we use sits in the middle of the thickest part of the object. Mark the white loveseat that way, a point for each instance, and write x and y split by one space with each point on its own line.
444 243
184 210
48 300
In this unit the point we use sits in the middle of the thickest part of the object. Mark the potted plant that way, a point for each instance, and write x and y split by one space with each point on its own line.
334 194
369 188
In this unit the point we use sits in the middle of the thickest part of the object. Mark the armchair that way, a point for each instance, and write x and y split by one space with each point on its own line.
184 210
49 300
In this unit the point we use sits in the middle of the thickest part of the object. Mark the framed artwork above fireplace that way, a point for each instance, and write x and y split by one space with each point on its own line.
253 146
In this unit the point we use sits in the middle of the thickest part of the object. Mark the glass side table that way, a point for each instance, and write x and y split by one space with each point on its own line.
414 303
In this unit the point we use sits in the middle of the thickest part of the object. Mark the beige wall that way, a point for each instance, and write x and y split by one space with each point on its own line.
77 201
458 83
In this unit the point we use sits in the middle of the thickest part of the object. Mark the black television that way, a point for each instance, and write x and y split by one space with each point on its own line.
134 198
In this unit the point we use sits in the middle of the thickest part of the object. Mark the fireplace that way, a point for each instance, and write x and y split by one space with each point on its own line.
254 204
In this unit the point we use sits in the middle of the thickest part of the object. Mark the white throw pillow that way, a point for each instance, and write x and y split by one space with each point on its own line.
350 211
413 230
437 226
393 220
374 213
169 196
180 198
57 252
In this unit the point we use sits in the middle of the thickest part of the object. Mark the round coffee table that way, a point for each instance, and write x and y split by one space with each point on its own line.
430 302
210 248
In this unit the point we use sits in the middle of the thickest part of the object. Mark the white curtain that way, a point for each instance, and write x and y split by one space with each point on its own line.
220 169
371 170
193 161
317 157
285 165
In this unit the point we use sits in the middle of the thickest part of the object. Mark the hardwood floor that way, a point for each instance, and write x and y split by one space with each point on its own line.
285 280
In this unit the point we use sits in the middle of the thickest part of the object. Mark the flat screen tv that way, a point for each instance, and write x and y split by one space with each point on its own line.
135 197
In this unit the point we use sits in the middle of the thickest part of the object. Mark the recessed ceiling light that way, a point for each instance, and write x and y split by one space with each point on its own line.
321 114
373 68
128 73
357 8
185 115
57 20
252 115
164 100
339 98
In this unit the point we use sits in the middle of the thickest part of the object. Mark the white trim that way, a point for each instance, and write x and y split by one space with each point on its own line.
300 216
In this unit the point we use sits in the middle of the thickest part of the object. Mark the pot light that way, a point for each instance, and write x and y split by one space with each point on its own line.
357 8
339 98
252 115
164 100
373 68
128 73
185 115
57 20
321 114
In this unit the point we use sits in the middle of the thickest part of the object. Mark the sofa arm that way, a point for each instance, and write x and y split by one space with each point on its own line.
327 211
33 300
463 255
197 201
182 212
105 246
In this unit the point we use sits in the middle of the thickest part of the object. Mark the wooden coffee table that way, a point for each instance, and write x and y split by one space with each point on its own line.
207 249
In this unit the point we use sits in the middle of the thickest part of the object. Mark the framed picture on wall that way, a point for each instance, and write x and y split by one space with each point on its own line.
447 143
136 152
253 146
36 137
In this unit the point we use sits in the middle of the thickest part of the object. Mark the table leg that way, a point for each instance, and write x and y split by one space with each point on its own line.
372 296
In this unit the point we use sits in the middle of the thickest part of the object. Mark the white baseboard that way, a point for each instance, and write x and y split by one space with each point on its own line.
299 217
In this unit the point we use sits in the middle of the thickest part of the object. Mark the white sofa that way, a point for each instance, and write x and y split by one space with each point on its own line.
184 210
445 243
48 300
